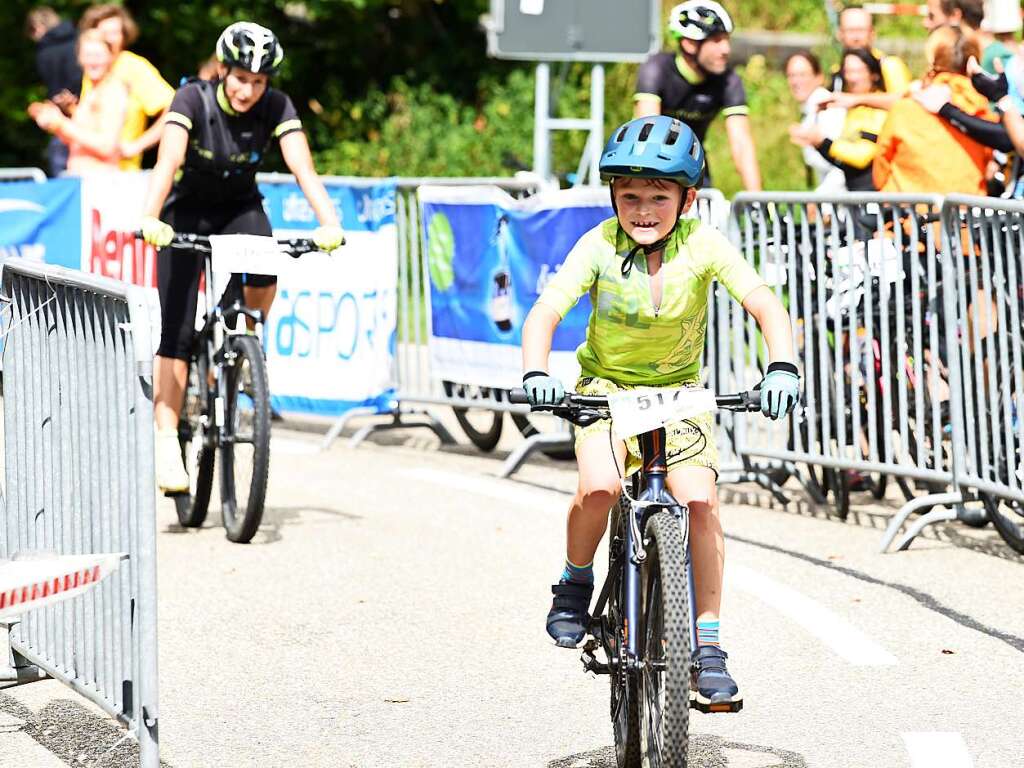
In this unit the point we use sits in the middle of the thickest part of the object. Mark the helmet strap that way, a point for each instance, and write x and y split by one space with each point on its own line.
627 263
630 259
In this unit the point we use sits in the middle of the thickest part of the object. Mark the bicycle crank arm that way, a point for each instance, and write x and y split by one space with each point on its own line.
590 662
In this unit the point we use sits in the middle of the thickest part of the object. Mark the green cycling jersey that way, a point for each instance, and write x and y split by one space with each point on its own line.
629 340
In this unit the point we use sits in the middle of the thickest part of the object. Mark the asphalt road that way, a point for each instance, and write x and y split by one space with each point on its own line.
391 611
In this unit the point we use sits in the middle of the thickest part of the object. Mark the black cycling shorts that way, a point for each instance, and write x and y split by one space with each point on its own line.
178 271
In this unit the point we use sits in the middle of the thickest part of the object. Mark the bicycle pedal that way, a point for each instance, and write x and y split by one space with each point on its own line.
721 707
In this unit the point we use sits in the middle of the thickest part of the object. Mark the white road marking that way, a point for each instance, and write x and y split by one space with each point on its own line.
937 750
834 631
505 491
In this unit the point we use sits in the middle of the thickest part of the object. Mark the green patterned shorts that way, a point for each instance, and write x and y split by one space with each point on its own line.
688 443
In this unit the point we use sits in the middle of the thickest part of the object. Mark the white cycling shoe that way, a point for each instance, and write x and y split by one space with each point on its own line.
171 476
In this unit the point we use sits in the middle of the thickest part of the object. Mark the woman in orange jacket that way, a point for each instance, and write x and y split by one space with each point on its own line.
919 151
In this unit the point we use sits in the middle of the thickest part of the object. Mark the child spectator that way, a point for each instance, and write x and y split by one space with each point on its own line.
93 134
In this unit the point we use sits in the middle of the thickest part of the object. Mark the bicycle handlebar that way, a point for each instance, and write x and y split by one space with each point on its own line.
571 402
295 246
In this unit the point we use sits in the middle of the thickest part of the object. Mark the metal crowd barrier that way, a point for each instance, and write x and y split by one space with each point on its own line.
78 451
417 387
22 174
984 305
862 277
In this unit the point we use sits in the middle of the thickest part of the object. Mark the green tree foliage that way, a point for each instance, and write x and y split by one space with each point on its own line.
404 87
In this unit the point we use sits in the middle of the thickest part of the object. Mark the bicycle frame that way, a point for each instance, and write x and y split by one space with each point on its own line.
220 322
627 561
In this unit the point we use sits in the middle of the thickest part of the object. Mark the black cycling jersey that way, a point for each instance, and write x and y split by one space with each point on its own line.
685 94
225 148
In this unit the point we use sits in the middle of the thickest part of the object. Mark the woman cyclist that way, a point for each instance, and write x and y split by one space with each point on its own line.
205 182
648 273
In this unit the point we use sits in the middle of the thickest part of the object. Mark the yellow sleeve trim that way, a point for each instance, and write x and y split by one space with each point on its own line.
180 119
652 96
288 125
740 109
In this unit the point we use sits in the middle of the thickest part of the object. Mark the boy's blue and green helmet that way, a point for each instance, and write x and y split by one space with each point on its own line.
656 147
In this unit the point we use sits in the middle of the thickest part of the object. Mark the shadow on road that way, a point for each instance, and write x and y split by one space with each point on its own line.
76 735
274 519
706 751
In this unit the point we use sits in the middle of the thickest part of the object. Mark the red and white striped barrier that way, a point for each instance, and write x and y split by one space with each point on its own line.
895 9
33 583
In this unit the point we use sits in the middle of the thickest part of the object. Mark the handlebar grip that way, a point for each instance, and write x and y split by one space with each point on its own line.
517 396
741 401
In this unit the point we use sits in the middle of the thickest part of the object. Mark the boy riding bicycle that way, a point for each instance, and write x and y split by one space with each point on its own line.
648 273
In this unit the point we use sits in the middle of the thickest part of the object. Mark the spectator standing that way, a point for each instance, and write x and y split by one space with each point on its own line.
695 83
917 150
57 64
954 13
93 134
999 31
857 30
807 85
149 94
854 149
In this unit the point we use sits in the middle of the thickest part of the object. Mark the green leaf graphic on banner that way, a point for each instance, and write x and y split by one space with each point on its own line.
441 252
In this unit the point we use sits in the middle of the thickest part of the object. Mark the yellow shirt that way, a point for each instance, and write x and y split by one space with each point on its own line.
148 95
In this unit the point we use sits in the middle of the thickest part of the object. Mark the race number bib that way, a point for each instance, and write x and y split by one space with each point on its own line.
255 254
636 411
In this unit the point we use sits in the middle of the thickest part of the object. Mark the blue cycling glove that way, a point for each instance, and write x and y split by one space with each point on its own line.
780 390
542 389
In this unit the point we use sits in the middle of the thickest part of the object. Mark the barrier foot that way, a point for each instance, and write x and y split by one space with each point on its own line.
518 457
342 421
928 500
16 670
935 516
431 423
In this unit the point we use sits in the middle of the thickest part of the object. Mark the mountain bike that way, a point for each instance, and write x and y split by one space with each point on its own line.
226 409
644 620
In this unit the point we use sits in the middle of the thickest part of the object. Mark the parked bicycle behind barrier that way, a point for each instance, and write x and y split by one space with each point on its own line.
226 409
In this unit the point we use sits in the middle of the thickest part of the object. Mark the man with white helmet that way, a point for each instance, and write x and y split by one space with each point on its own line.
695 83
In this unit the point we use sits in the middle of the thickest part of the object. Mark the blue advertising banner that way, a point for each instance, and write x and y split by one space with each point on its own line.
42 221
331 336
489 258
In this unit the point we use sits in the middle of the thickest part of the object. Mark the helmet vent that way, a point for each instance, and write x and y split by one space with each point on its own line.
672 138
694 150
622 134
645 131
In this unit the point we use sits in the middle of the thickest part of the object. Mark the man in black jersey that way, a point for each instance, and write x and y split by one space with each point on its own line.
695 83
205 182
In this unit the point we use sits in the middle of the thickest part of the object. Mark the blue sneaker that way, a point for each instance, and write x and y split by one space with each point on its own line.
714 688
568 618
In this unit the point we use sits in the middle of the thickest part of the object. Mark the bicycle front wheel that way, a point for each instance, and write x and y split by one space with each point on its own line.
196 449
245 449
624 705
665 646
